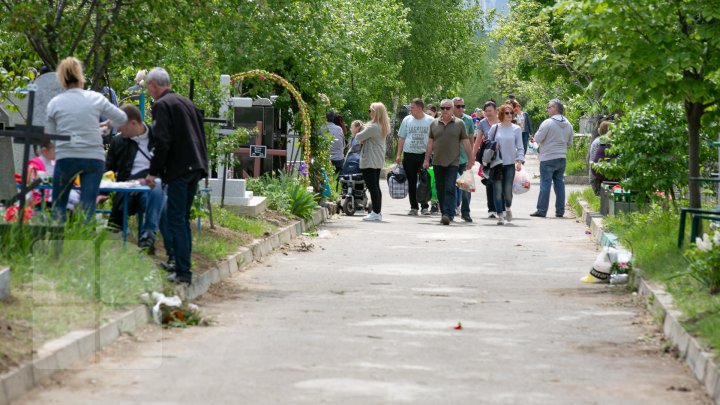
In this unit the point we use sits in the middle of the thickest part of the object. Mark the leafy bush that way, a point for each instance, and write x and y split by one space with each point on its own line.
651 148
302 202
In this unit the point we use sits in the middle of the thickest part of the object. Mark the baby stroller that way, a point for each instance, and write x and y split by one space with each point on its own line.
353 190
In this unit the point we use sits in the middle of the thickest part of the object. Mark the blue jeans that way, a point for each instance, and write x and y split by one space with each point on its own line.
153 205
90 171
525 139
552 171
180 195
445 186
462 198
502 187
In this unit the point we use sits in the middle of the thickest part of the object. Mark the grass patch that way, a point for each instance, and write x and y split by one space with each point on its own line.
652 237
257 228
576 164
60 285
586 195
214 246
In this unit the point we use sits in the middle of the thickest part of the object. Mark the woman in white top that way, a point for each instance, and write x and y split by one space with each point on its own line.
76 112
508 140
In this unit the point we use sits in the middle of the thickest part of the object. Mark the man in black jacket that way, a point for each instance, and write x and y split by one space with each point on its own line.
181 160
129 157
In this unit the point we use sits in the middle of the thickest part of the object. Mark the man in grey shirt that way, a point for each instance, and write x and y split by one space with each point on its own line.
337 148
554 137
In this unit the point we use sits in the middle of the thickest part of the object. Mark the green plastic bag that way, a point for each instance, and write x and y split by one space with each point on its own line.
432 184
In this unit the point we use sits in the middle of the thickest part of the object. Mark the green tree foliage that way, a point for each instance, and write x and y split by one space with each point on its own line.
445 46
664 51
537 61
99 32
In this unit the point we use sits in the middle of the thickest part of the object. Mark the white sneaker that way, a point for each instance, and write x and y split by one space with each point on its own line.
372 216
501 220
508 215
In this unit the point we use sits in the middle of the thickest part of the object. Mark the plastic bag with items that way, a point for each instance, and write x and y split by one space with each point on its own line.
466 182
397 182
521 183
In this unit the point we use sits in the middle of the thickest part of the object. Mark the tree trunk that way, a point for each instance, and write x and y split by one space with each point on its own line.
390 141
694 112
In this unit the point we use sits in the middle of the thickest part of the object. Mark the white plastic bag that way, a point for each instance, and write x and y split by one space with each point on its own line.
532 148
521 183
466 182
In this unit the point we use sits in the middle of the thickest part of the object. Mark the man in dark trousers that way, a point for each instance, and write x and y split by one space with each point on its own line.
181 159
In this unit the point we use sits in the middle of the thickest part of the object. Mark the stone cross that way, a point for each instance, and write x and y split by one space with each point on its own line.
29 135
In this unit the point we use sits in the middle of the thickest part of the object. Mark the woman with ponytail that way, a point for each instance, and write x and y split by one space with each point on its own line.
76 112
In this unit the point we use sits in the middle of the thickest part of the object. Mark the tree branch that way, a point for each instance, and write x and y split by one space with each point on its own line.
59 13
100 32
85 23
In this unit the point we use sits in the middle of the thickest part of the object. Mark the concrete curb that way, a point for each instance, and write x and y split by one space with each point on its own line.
661 305
63 352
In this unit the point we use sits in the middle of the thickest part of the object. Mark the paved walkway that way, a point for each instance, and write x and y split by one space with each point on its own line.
367 316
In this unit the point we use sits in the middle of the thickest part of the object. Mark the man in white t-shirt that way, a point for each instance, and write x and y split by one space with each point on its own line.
412 143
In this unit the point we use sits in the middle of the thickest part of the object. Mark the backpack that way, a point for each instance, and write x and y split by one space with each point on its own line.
397 183
489 154
424 192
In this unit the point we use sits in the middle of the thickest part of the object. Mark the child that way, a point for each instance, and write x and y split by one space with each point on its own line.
43 166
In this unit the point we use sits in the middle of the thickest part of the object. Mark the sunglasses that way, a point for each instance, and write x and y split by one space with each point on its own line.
371 111
460 106
508 113
446 108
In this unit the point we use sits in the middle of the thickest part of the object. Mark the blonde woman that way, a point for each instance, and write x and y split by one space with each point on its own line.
372 156
76 112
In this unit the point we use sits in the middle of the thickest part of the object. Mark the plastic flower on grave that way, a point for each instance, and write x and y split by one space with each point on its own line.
11 214
704 259
704 244
303 169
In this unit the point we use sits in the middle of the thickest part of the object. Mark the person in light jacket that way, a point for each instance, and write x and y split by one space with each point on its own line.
76 112
508 139
554 137
372 156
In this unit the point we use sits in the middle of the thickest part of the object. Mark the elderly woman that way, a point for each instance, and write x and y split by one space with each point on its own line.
372 156
76 112
508 139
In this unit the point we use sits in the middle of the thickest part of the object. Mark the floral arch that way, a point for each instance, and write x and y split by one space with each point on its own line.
302 106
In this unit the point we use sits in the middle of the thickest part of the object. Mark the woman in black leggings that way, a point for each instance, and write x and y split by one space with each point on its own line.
372 157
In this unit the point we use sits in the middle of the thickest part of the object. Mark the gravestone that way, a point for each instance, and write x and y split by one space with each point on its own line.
8 168
4 284
47 88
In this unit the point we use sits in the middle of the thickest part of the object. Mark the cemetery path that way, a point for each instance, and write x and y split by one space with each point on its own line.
367 316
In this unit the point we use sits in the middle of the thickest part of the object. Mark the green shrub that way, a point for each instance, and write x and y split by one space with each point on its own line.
651 148
275 188
302 202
